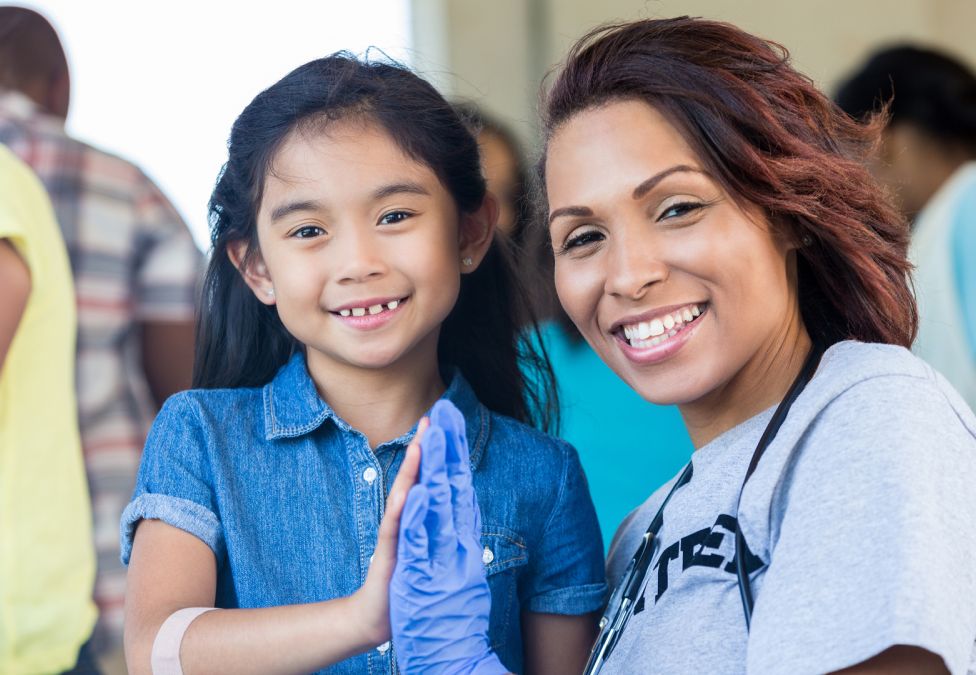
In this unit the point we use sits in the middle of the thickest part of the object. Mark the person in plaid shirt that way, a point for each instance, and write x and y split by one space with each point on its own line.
136 270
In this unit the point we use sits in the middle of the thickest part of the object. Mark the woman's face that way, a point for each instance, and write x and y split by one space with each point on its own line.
686 294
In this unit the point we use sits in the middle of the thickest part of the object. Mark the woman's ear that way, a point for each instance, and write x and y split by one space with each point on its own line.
253 270
476 232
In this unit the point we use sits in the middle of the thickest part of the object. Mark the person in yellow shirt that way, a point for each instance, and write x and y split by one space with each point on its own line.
47 560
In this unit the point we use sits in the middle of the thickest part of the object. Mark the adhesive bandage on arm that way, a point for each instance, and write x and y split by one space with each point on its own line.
165 658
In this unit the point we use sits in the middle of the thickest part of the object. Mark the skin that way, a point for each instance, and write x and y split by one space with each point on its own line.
345 217
499 166
626 247
16 281
913 165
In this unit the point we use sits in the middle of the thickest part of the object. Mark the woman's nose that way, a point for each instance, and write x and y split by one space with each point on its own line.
635 264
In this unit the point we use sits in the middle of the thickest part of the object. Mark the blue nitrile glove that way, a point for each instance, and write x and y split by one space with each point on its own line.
439 598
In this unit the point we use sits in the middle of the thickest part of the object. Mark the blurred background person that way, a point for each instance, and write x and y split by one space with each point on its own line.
47 558
927 160
596 409
135 270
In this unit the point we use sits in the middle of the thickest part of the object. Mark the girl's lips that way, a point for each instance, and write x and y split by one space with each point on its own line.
664 349
372 321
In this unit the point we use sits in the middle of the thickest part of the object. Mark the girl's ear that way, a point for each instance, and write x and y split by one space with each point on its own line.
252 270
476 232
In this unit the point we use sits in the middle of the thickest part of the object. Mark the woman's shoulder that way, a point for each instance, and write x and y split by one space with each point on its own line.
885 379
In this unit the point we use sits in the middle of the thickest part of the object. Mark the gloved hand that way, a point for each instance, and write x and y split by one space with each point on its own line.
439 598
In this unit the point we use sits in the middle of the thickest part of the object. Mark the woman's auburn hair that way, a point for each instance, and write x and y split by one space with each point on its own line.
770 138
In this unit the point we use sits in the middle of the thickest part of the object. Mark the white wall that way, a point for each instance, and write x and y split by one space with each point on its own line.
161 83
499 51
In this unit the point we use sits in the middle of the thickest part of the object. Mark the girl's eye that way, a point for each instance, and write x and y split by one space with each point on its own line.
582 239
680 209
308 232
394 217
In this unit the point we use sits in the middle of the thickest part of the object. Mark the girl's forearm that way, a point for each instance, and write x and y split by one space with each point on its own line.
279 640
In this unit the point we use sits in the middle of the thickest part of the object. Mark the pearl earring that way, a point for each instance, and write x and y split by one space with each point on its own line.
270 292
467 261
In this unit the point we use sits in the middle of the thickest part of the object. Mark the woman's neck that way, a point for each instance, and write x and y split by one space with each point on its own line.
381 403
760 384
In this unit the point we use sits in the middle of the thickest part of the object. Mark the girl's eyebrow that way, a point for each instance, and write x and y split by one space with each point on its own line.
408 187
288 208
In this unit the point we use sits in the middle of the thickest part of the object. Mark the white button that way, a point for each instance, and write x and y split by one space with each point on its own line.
487 556
370 560
384 648
369 475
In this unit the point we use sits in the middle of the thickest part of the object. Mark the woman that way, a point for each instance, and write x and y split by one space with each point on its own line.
720 244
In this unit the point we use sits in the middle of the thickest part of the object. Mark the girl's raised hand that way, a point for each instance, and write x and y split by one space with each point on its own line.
372 600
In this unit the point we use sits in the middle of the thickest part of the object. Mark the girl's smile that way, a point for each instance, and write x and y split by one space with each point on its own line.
370 314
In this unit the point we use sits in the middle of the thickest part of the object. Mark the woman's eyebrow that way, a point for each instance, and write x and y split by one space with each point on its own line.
649 184
639 191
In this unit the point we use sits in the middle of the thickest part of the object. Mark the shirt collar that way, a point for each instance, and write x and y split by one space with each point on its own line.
293 407
21 107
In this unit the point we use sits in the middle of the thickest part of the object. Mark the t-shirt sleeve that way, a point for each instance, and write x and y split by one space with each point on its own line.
170 265
875 546
174 484
566 574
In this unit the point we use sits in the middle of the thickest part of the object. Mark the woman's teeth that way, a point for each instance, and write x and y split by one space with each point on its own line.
372 309
649 333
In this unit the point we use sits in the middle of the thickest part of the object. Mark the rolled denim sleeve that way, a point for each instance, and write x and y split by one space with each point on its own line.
174 484
567 574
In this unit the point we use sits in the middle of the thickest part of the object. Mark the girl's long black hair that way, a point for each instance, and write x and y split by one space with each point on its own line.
242 342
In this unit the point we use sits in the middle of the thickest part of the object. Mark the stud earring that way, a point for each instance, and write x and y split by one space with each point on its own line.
806 240
270 292
467 261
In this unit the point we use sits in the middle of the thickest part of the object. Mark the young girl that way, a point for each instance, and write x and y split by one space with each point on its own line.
342 301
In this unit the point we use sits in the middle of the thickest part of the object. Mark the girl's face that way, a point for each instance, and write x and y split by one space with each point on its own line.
683 292
360 248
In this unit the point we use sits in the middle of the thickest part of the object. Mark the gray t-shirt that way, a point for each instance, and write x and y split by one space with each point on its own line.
868 540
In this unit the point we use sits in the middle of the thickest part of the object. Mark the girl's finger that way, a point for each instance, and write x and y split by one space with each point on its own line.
406 478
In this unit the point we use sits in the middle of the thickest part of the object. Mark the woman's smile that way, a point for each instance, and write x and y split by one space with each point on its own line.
659 334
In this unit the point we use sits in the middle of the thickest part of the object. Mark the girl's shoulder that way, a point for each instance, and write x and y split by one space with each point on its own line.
519 443
211 409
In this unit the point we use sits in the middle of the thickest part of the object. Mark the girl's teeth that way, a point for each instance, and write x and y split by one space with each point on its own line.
668 322
372 309
687 315
657 327
695 311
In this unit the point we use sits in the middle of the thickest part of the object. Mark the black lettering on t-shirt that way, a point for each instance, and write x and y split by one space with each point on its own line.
693 549
667 555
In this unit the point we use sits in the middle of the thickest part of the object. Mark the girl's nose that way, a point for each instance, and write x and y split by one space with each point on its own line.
359 258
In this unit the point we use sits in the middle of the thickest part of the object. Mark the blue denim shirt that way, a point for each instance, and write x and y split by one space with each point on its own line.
289 497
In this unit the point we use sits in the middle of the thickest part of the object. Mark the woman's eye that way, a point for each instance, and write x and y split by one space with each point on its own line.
680 209
582 239
308 231
394 217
